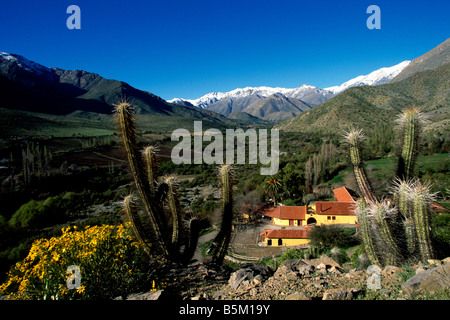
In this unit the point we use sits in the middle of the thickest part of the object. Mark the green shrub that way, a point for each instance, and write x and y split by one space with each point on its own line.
330 236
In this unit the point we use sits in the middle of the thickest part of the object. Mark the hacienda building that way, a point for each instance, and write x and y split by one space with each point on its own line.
319 213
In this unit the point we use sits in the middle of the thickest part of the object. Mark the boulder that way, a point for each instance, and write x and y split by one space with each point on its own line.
151 295
430 281
339 294
388 270
298 296
446 260
248 275
327 261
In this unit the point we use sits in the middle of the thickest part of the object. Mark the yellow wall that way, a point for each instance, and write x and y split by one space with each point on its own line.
323 219
287 242
320 219
280 222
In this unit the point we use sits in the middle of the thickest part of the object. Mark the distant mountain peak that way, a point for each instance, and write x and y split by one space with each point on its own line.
238 99
377 77
24 63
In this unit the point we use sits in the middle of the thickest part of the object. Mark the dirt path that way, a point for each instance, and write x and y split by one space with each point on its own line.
203 239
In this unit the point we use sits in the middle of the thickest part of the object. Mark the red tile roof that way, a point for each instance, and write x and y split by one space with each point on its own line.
342 195
286 212
285 234
334 208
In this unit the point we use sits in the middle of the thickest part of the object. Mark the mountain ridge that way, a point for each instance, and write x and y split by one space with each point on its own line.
376 77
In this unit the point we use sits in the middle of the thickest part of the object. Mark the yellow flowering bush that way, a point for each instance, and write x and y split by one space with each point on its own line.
109 260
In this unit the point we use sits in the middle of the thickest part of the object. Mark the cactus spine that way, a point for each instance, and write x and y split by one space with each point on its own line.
402 190
221 242
363 218
354 138
149 154
410 121
421 198
384 215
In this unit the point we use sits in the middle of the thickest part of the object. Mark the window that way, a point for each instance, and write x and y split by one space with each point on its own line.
280 242
328 218
334 218
269 242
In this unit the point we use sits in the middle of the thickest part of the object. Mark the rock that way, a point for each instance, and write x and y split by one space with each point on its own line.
446 260
305 270
237 277
420 269
334 270
151 295
321 266
248 275
430 281
339 294
298 296
435 262
327 261
388 270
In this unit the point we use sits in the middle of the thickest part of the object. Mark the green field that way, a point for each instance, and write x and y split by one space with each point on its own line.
433 166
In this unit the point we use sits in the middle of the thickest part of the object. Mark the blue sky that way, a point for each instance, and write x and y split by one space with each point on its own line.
189 48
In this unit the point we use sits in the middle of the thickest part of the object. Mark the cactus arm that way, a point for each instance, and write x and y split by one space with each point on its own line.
383 214
174 208
150 166
354 138
366 234
130 210
222 240
421 198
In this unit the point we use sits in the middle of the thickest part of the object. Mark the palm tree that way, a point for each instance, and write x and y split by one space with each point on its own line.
272 187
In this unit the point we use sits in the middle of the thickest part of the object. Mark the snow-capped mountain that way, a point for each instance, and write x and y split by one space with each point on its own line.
374 78
261 92
238 99
24 63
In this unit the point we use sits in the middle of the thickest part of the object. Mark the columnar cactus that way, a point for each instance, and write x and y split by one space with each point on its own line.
410 120
402 192
125 119
421 197
155 196
384 215
411 200
221 242
354 138
361 211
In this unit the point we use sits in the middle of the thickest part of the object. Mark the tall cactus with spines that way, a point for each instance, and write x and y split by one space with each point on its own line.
402 190
411 200
361 211
126 123
149 155
354 138
156 196
221 242
410 120
384 214
421 197
174 207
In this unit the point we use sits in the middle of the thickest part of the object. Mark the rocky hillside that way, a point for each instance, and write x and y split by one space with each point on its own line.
315 279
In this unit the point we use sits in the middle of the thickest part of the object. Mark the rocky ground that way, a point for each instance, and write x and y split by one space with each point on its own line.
315 279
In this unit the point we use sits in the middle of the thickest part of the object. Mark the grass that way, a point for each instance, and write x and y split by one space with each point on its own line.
384 169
